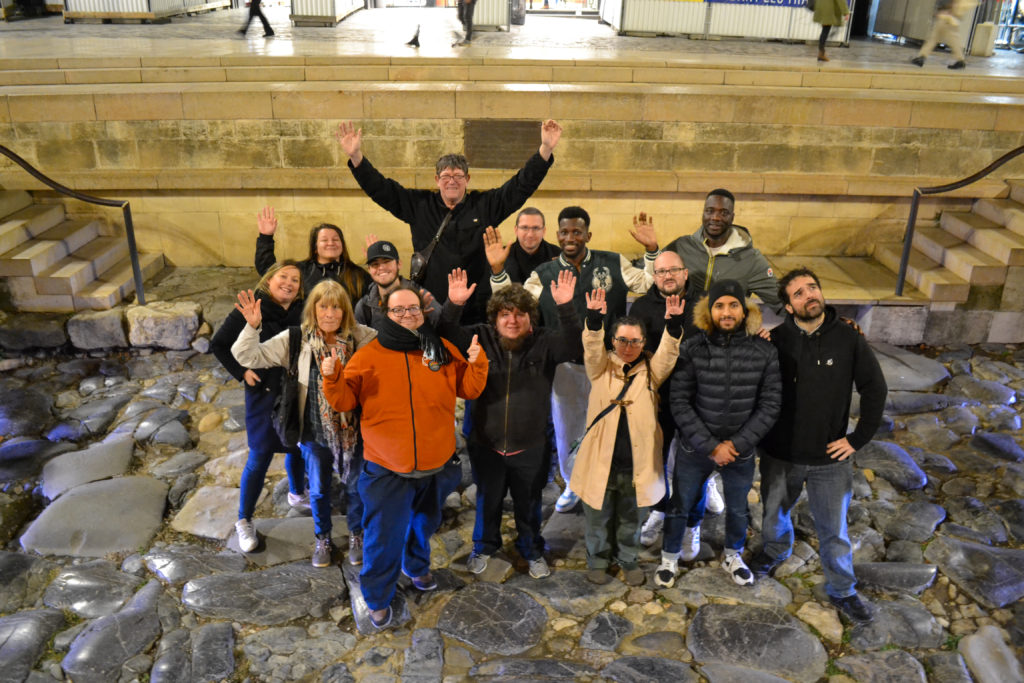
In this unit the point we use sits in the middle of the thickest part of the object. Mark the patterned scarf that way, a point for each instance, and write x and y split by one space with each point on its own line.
339 429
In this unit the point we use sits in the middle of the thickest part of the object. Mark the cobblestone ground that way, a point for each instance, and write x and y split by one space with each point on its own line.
385 31
118 494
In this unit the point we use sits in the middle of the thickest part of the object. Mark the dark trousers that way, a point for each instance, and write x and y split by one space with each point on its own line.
613 532
466 10
691 477
399 517
263 443
670 504
524 475
823 37
255 11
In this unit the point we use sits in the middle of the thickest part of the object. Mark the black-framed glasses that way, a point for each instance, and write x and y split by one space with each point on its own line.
452 176
662 272
399 311
628 342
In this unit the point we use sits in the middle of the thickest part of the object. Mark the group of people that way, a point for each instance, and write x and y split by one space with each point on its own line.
646 404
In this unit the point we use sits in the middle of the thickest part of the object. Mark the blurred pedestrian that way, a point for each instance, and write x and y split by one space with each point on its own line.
829 13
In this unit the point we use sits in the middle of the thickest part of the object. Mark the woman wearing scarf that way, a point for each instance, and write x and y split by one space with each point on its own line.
328 256
406 381
329 330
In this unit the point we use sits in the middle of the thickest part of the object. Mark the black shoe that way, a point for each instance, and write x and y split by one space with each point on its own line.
919 61
762 565
268 34
854 608
415 42
241 31
957 65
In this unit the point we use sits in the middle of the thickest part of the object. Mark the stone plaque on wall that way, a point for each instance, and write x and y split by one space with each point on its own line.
500 144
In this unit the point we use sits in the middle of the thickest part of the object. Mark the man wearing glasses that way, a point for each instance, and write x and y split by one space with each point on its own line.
529 250
594 270
451 217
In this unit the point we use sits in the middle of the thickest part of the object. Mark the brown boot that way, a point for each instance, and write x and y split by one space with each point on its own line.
821 56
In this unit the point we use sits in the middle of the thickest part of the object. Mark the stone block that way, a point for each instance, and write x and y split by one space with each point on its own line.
246 154
35 108
65 155
91 76
1009 118
507 74
894 161
523 102
676 107
957 327
592 74
397 104
827 79
790 111
227 104
346 73
769 157
309 153
954 115
197 74
857 112
315 104
277 74
910 82
1007 327
698 157
163 324
1013 290
98 329
899 325
138 106
117 154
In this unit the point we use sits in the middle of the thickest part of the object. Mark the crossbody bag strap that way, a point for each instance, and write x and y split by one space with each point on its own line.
611 404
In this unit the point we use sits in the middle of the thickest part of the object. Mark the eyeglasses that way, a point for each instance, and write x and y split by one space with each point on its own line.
662 272
399 311
529 228
628 342
446 177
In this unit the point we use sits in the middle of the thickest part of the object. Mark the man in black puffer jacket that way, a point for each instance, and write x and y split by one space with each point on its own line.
508 446
725 396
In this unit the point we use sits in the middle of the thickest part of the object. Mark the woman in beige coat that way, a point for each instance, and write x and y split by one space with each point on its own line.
619 471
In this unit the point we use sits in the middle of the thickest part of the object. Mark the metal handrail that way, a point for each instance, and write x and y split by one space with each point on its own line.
908 236
129 227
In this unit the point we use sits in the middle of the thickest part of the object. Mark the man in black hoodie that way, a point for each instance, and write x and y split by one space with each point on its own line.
820 356
508 445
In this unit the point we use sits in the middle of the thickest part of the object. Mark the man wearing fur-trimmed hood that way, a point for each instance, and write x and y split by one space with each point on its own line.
725 396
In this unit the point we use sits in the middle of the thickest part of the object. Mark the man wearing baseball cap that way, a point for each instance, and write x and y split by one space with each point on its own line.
383 263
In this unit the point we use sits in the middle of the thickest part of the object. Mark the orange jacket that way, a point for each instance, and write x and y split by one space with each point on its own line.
408 417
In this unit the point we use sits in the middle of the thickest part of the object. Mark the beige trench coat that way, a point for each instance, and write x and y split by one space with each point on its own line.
594 459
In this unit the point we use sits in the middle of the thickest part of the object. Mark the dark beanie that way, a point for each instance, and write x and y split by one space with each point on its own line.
725 288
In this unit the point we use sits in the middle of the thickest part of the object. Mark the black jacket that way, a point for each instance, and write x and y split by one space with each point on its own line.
817 372
512 412
312 272
726 386
519 264
275 320
650 308
461 243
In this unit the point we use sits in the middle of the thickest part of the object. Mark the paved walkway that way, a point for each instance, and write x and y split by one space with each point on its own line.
383 32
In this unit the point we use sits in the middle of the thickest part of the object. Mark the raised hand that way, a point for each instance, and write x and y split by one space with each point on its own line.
458 291
496 251
330 363
428 301
596 301
251 378
563 287
351 140
550 134
473 352
643 231
370 239
249 306
266 221
674 305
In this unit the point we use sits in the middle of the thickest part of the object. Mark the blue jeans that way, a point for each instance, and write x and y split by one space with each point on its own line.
319 469
828 493
399 517
669 504
690 480
354 511
263 443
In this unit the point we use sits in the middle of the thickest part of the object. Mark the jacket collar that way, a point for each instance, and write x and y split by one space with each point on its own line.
586 259
702 320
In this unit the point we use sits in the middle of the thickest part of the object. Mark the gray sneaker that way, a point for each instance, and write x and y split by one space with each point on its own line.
322 551
539 568
355 550
477 563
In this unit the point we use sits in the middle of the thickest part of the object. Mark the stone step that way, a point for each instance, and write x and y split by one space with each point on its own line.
13 200
27 223
71 274
936 282
1016 189
118 282
1006 212
36 255
1004 245
970 263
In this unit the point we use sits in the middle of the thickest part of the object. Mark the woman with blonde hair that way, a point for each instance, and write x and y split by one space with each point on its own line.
279 292
328 329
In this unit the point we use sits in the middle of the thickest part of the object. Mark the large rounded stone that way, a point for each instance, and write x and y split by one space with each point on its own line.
98 329
892 463
93 589
23 637
992 576
494 619
883 667
163 324
24 412
761 638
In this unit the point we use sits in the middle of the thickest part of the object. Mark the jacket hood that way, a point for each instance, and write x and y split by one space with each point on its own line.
702 316
739 238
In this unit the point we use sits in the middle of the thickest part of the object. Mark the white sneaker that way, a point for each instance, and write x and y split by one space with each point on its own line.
665 574
737 568
539 568
691 544
652 527
567 501
247 539
715 503
298 501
